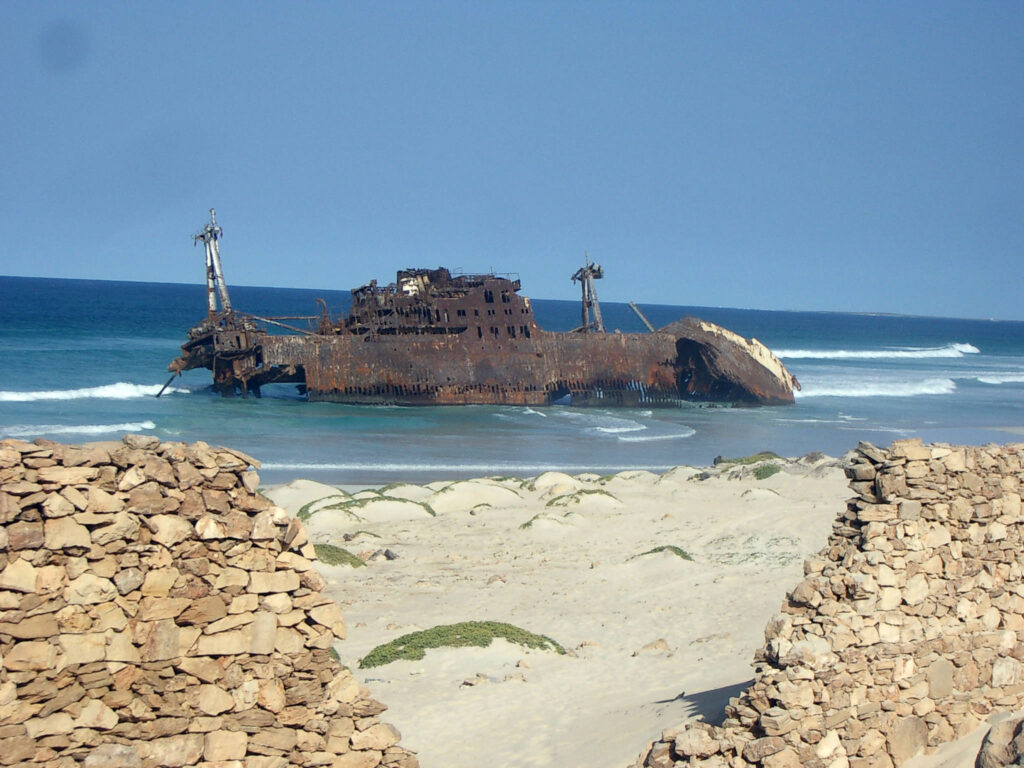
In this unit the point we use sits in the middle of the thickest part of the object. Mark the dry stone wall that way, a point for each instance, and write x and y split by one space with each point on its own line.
156 611
907 631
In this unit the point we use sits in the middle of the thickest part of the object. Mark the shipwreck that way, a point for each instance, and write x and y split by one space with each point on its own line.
437 338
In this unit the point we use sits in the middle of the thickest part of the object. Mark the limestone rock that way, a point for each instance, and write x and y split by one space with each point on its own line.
940 679
173 751
123 527
330 616
65 533
225 745
908 737
1006 671
25 535
276 581
757 750
19 576
88 589
29 656
213 700
696 742
97 716
112 755
170 529
101 501
999 748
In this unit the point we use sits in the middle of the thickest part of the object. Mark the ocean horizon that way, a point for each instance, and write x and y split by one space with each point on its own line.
574 302
83 360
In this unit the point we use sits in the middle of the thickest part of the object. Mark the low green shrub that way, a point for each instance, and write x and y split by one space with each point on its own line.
307 510
677 551
328 554
752 459
576 497
354 534
766 471
413 646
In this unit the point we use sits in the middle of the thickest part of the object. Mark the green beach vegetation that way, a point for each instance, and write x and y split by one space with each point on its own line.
672 548
754 458
332 555
577 497
414 646
766 470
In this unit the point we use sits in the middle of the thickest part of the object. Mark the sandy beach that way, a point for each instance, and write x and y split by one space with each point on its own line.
651 638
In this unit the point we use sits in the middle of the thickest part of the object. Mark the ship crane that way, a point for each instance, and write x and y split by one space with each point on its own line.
215 284
585 276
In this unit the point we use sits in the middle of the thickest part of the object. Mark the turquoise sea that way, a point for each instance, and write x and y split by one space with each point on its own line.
81 360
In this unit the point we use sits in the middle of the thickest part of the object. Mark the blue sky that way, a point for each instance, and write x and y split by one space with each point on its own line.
829 156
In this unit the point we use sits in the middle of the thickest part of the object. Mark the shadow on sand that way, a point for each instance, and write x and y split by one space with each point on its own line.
710 703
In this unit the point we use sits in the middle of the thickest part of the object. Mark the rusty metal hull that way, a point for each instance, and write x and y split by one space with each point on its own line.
607 369
435 339
676 364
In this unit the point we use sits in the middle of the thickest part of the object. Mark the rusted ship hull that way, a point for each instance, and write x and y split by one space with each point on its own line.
433 338
688 361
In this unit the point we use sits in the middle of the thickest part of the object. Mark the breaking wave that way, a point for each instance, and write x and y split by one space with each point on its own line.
948 351
1001 378
31 430
681 435
122 390
880 389
616 430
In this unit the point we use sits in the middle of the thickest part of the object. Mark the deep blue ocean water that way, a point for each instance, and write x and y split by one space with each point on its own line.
81 360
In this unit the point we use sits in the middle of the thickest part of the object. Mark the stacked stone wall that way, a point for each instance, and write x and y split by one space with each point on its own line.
155 610
906 632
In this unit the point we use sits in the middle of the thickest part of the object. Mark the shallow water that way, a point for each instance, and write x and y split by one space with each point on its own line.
83 359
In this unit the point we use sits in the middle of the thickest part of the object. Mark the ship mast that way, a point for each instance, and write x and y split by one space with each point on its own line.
215 284
585 276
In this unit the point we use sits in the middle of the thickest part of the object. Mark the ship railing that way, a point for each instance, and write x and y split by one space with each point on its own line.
512 276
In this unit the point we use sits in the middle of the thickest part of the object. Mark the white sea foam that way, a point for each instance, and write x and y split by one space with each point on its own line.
1001 378
600 421
27 430
809 421
122 390
616 430
879 388
948 351
901 431
681 435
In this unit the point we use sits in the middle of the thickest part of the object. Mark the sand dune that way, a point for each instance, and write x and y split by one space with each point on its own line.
658 586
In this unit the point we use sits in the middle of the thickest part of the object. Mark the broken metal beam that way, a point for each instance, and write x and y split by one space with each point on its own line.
642 316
